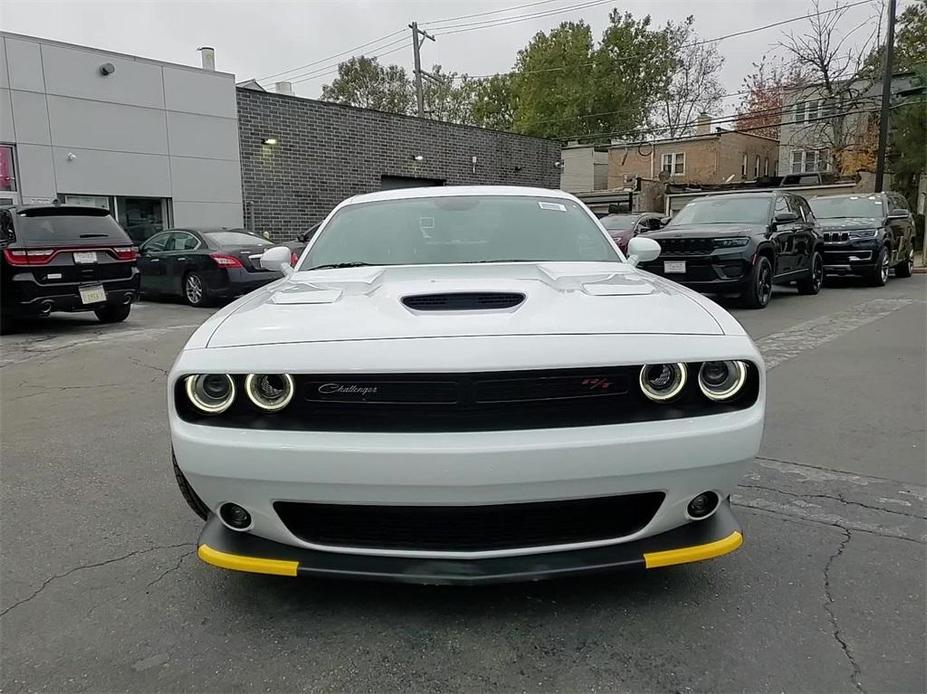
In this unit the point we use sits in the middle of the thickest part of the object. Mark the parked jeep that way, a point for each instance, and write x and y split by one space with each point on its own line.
866 235
742 244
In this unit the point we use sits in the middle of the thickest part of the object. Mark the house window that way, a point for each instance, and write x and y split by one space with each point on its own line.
756 167
766 166
806 111
743 166
674 164
809 160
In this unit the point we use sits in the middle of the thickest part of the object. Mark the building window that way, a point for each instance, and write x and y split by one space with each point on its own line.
7 169
674 164
743 166
806 111
809 160
766 166
756 167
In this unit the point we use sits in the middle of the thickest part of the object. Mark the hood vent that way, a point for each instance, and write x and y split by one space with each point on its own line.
464 301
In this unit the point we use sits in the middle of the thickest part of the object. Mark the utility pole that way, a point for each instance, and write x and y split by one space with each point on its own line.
886 96
416 46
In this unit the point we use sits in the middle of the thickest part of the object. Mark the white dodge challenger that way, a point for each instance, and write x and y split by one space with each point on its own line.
465 385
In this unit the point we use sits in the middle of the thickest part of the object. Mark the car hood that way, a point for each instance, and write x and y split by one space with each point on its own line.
366 304
713 231
849 223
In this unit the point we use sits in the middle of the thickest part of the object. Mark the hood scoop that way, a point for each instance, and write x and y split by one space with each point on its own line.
463 301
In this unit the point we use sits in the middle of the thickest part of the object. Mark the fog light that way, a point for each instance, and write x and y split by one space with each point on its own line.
703 505
235 517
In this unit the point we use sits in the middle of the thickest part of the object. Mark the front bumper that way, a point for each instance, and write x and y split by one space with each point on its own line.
851 258
719 273
695 541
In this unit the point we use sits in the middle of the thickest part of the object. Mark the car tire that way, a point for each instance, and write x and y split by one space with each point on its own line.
812 284
194 290
113 313
190 496
878 274
906 267
759 292
7 324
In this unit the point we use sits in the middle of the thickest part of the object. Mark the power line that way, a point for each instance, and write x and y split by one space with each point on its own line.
483 14
716 39
335 69
336 55
474 26
326 69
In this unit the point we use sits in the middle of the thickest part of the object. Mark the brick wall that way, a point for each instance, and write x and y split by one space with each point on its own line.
326 152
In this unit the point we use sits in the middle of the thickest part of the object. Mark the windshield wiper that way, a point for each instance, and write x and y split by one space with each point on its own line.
506 260
336 266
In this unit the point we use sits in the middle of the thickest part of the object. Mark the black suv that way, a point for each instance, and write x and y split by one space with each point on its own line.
866 235
742 244
65 258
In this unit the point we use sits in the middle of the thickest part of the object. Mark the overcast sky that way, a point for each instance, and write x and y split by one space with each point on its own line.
258 38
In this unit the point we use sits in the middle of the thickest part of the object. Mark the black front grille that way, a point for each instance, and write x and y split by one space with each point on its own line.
463 301
492 401
690 246
470 528
836 236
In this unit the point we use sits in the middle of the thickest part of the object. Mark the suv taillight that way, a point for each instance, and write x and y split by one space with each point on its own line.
126 253
39 256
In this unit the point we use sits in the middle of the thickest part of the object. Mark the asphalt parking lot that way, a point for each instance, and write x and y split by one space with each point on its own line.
100 589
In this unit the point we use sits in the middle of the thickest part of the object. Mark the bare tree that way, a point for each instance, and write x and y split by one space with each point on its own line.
832 111
694 87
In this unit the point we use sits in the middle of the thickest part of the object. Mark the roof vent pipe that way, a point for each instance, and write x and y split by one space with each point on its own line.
208 57
284 88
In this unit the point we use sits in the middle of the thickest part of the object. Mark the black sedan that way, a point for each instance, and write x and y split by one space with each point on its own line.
203 265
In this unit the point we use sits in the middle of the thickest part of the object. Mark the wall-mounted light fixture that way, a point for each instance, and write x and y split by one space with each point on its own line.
418 157
107 69
70 156
269 141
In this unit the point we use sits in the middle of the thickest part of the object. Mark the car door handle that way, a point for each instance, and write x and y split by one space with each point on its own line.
182 258
156 260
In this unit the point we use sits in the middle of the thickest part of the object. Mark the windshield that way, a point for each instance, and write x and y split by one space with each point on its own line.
459 229
847 206
619 222
721 210
64 225
236 238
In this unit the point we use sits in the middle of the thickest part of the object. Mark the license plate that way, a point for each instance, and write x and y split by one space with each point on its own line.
674 266
84 257
92 295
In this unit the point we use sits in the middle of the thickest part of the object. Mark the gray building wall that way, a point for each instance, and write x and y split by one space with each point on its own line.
327 152
585 168
149 129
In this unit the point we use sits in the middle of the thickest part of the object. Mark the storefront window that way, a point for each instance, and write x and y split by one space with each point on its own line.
7 169
142 218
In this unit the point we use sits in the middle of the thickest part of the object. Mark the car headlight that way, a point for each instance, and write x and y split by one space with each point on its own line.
210 393
270 392
721 380
736 242
662 382
864 234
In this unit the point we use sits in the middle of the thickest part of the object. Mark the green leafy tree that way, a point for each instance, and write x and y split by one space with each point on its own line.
910 42
495 100
908 145
364 82
449 96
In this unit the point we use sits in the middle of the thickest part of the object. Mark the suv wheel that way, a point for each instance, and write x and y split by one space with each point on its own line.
815 279
194 289
906 267
878 274
113 313
759 292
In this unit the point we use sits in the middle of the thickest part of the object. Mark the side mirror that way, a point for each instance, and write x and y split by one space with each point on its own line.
898 213
664 221
786 218
277 259
642 250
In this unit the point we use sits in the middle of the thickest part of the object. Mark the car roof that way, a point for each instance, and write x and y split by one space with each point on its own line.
77 209
848 195
747 194
451 191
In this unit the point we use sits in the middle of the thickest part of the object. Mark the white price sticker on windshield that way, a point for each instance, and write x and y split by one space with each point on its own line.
555 206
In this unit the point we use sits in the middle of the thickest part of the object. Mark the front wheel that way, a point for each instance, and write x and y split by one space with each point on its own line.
878 274
113 314
815 280
906 267
194 289
759 292
191 497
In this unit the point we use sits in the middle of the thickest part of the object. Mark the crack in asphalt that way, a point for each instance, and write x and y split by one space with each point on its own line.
93 565
138 362
839 497
828 606
169 570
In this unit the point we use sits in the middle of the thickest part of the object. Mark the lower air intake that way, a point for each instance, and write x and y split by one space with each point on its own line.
463 301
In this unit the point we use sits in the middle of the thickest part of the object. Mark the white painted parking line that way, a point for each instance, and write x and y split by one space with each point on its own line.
778 348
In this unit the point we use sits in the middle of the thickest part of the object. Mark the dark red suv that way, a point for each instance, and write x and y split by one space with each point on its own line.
65 258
